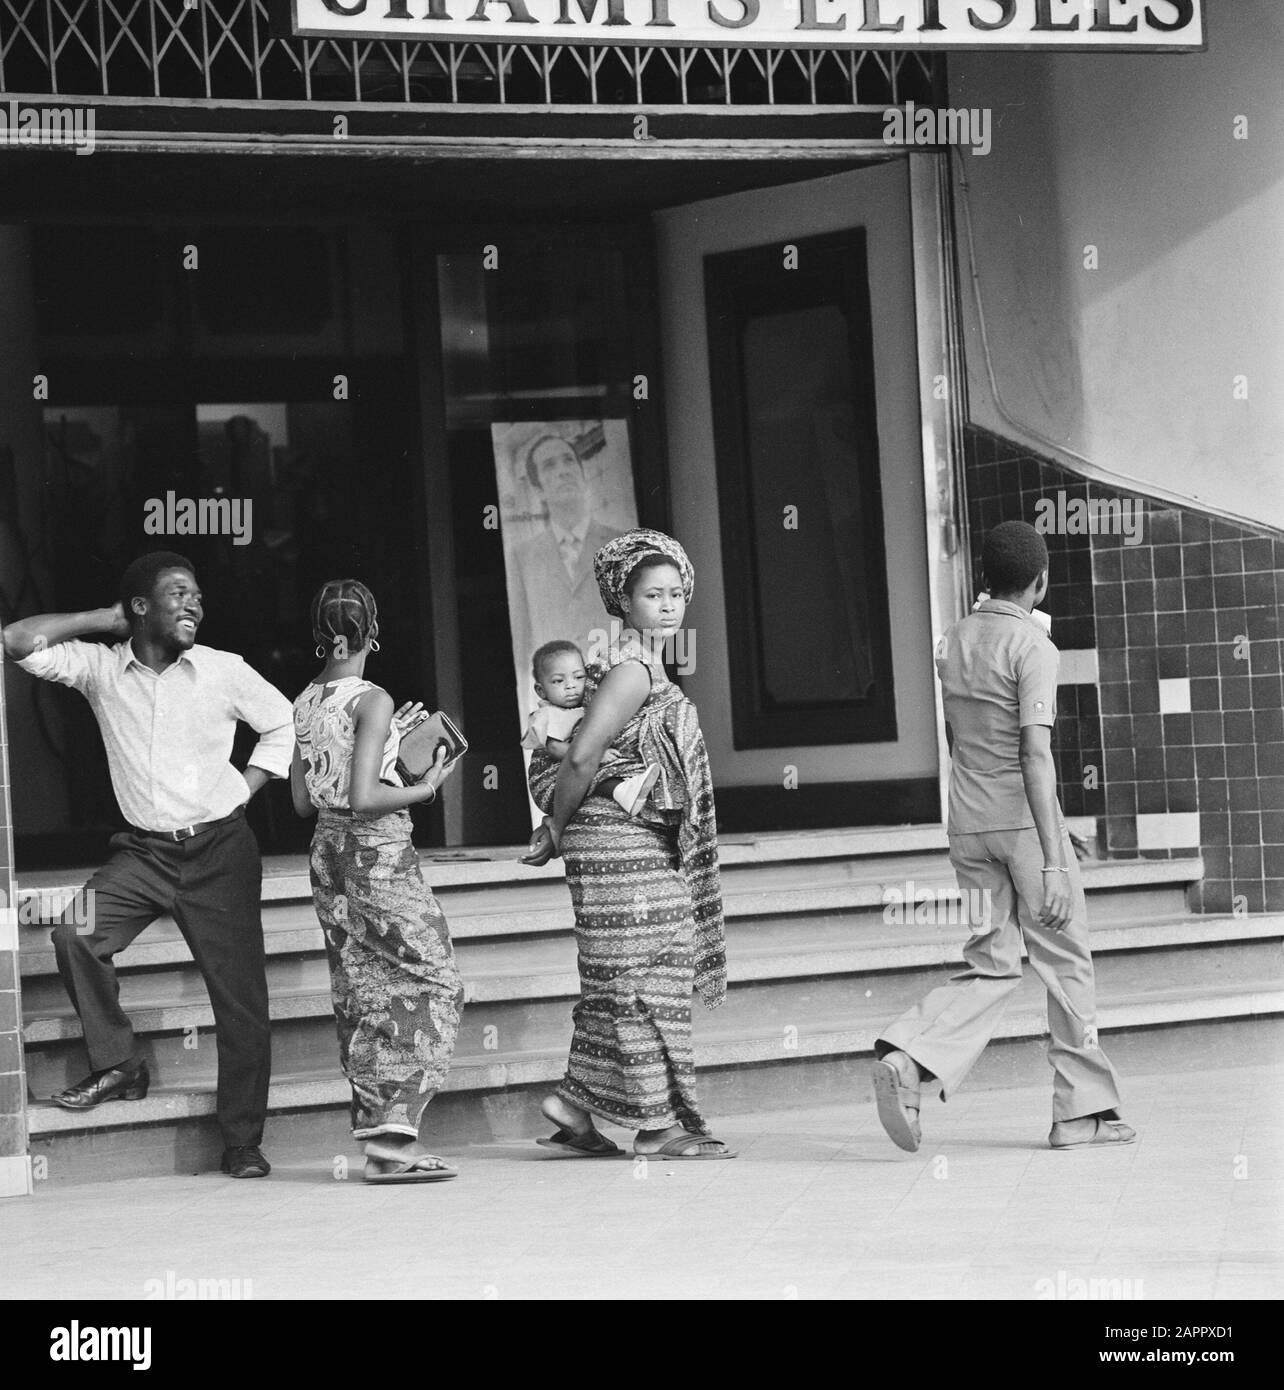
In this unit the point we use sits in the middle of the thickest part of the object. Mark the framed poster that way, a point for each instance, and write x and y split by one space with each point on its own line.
565 489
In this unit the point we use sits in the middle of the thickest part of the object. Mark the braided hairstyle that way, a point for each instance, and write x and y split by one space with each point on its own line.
344 617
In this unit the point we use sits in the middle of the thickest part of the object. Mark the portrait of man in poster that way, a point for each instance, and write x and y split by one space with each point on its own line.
565 488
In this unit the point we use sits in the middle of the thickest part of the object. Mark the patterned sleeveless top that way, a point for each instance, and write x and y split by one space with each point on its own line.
323 726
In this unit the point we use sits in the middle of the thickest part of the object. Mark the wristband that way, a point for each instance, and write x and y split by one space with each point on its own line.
1054 871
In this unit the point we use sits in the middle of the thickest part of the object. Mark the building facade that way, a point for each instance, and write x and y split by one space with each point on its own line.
825 312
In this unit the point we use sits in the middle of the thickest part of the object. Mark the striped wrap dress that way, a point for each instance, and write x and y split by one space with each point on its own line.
648 919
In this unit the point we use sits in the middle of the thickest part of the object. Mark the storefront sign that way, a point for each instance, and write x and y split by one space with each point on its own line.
1073 24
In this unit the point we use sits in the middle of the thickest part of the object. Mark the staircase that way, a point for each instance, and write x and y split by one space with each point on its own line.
816 969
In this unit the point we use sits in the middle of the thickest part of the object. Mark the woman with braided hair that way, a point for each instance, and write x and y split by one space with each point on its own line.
645 887
397 993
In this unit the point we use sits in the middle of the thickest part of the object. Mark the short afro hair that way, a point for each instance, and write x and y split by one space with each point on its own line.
547 652
139 580
1012 558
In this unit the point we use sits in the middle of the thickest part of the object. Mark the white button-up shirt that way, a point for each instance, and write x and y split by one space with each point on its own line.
169 737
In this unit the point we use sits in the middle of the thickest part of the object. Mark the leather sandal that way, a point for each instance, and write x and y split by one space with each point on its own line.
898 1104
589 1144
689 1148
1106 1132
416 1168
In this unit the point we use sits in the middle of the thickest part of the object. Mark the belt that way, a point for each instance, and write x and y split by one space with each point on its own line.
188 832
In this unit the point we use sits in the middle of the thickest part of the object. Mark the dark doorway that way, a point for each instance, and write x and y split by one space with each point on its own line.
315 454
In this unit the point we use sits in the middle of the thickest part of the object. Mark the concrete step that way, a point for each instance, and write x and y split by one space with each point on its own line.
544 967
519 994
318 1134
1116 889
720 1045
819 961
287 875
161 967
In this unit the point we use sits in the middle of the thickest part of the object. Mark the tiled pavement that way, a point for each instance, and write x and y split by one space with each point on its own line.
819 1205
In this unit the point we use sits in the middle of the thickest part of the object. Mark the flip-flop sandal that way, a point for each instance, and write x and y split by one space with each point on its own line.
673 1150
411 1170
591 1145
898 1117
1107 1132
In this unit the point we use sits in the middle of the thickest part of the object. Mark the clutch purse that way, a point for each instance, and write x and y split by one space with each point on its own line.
419 744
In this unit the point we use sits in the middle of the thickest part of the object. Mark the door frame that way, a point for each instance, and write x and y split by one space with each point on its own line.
940 357
942 411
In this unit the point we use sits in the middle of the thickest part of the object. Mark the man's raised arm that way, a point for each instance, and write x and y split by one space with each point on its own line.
48 629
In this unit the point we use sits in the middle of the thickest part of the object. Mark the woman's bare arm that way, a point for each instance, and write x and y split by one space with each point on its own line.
299 788
366 794
621 694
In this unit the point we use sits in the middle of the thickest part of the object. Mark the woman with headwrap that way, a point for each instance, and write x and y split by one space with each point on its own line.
645 888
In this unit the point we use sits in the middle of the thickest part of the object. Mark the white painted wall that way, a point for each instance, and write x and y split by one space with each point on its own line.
1132 365
878 199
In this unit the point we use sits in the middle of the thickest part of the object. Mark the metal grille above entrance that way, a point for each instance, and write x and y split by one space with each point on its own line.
227 51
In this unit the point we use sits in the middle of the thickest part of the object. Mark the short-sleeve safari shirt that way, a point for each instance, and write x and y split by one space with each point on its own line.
998 674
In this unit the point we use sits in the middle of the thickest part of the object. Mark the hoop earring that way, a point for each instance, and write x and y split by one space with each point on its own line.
320 650
374 645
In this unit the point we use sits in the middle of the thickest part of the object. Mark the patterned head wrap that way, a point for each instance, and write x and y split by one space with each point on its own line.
619 557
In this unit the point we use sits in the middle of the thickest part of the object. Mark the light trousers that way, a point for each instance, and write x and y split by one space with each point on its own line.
1000 875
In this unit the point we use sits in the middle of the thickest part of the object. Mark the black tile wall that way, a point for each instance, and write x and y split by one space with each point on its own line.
1197 598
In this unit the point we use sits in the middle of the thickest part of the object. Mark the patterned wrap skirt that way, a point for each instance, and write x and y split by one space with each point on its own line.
631 1059
396 989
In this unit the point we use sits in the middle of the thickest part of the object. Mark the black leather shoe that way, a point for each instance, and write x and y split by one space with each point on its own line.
115 1083
245 1161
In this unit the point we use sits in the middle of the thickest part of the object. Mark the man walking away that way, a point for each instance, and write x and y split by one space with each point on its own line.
1016 868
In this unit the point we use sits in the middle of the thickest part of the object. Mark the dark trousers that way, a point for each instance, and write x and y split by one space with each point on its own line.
211 885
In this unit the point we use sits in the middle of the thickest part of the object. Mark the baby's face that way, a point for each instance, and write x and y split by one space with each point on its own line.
563 680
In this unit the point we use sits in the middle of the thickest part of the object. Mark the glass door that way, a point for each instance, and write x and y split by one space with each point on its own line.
539 400
268 498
